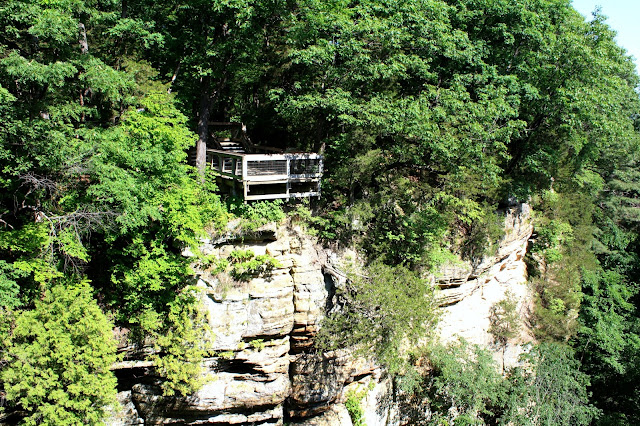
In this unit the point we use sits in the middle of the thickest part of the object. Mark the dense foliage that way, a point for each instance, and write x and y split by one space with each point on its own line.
383 311
58 358
463 387
431 114
96 205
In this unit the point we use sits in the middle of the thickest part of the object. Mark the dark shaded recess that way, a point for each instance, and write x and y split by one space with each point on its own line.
127 377
264 189
313 410
330 286
238 367
12 417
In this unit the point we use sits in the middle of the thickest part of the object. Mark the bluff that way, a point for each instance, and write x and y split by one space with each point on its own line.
265 369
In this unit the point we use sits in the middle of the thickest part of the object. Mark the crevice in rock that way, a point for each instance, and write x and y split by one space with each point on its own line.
297 413
264 337
176 416
240 367
358 377
450 284
330 286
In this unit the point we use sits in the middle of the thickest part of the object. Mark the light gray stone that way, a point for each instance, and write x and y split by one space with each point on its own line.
125 413
263 326
336 415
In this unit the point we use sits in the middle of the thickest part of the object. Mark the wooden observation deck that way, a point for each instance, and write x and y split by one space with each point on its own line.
258 172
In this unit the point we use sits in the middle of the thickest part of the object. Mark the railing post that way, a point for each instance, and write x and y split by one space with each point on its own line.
244 168
288 184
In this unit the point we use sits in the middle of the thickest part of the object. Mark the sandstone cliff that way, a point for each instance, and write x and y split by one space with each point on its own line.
469 291
264 327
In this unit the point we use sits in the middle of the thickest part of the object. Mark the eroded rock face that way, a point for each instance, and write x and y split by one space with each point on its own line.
127 414
467 305
318 380
259 325
460 279
336 415
266 371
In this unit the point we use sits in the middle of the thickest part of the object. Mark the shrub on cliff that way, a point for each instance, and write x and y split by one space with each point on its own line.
549 389
58 357
384 312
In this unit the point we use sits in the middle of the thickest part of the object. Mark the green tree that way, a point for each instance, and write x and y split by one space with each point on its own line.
93 174
58 358
430 114
504 322
181 344
216 53
382 314
415 130
576 86
9 288
563 237
549 389
464 386
61 97
156 207
608 344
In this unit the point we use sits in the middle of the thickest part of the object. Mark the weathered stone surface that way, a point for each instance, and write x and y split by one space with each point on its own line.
466 313
274 286
126 414
336 415
261 307
317 380
229 396
268 357
310 297
264 326
377 404
271 416
453 274
253 324
278 248
458 280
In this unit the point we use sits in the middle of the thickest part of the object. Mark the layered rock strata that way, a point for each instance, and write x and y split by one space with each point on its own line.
468 291
263 328
265 369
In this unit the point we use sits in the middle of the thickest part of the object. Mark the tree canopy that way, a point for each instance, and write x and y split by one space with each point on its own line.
431 114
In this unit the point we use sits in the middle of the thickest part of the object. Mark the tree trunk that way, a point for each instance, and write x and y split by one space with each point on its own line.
84 49
203 125
84 45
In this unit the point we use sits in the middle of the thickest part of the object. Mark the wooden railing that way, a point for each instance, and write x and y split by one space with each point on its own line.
297 173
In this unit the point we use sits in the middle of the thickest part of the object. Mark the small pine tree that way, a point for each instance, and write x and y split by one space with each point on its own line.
58 358
504 324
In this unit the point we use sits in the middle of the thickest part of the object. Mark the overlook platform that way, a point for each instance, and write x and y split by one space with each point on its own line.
259 172
269 176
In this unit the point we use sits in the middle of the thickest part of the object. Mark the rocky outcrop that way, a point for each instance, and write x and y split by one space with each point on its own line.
265 369
318 379
261 326
457 280
468 291
336 414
